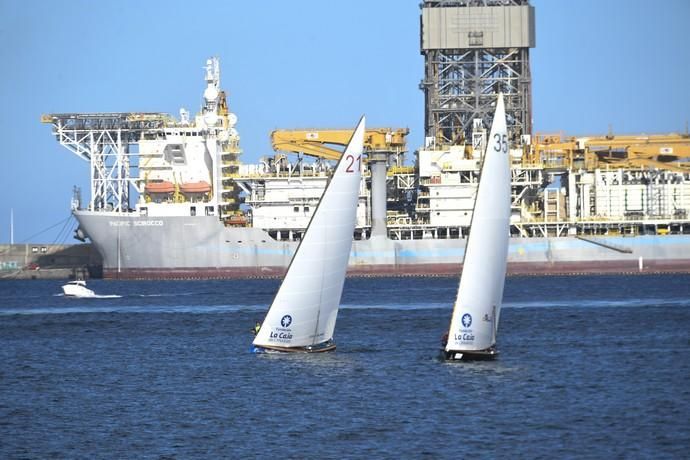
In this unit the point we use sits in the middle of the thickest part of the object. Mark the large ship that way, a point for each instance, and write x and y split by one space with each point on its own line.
170 198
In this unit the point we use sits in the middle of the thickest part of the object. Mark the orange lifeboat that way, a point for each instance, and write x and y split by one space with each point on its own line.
160 187
195 187
236 221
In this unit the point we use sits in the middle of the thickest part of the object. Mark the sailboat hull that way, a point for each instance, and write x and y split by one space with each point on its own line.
318 348
469 355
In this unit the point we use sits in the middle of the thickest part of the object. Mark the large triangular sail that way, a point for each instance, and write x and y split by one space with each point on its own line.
477 308
304 310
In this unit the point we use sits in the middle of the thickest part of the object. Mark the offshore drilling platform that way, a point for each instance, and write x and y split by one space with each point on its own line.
170 197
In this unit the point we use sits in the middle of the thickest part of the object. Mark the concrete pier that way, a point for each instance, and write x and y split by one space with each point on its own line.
49 261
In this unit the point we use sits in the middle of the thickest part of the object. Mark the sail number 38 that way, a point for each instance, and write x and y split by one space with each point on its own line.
350 160
501 143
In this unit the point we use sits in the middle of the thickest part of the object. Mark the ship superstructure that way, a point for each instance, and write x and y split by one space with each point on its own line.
155 165
170 198
561 187
282 192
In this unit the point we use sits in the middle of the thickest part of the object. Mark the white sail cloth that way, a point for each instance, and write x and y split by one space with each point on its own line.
304 310
477 308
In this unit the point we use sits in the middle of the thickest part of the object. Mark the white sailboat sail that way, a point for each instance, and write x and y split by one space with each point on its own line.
304 310
477 308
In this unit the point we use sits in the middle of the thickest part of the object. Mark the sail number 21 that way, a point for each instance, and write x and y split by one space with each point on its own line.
501 143
351 162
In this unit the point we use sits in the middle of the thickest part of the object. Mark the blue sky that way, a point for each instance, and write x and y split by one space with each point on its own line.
304 63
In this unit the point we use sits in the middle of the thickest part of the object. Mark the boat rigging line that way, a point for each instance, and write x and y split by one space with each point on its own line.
63 222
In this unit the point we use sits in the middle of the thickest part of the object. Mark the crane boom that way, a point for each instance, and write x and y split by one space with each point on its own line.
319 142
671 151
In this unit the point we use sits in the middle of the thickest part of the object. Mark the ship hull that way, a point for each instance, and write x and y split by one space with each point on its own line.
137 247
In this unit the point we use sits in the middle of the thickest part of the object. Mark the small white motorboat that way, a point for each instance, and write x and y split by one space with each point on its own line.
77 288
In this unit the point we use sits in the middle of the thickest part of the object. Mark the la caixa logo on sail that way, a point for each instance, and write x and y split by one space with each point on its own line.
465 335
282 334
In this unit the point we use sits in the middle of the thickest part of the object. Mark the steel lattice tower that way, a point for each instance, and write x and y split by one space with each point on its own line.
474 49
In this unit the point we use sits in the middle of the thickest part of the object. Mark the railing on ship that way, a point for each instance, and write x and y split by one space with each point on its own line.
600 227
407 230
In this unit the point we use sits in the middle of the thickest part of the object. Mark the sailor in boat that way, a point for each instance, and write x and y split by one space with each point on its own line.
256 328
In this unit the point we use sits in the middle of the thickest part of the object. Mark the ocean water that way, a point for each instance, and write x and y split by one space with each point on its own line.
590 367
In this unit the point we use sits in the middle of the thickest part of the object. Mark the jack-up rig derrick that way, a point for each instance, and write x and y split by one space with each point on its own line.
473 50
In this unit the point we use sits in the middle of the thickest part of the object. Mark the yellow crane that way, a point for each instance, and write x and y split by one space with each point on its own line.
316 142
670 151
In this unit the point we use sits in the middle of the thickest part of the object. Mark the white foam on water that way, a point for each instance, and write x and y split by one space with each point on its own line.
95 296
262 307
194 309
393 306
575 303
578 303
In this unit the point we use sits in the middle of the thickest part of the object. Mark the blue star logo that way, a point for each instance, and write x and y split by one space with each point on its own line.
467 320
286 320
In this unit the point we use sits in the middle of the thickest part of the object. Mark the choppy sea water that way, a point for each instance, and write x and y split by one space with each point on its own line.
590 367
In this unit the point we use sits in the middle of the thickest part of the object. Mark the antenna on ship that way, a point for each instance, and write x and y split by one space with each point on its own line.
11 226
